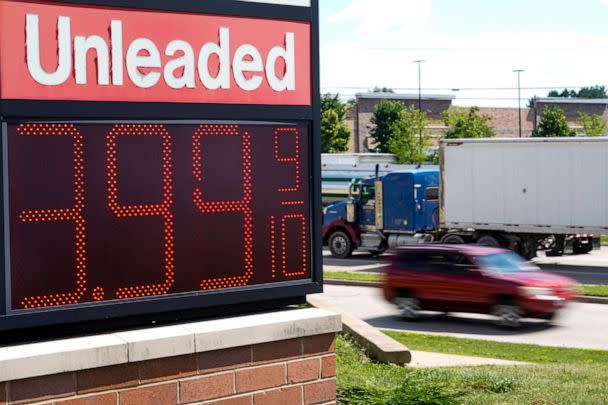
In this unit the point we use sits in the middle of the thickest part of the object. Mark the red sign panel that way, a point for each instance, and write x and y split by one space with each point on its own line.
68 52
102 212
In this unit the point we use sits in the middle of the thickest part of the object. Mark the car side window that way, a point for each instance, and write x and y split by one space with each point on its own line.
438 262
449 263
461 264
412 261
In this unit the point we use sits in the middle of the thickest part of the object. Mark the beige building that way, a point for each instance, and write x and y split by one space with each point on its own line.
572 107
503 120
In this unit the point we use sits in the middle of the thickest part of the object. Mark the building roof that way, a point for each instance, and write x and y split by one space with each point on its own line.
564 100
422 170
401 96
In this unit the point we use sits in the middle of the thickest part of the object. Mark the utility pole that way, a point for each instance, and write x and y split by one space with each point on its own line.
420 62
519 72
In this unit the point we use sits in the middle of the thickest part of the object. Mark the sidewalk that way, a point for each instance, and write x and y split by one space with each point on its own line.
387 350
429 360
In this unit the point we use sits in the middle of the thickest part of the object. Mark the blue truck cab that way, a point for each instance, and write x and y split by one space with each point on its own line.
397 209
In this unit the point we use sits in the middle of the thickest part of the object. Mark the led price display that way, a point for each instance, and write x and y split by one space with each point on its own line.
114 211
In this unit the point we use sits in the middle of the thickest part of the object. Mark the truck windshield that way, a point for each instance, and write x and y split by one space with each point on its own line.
368 192
505 263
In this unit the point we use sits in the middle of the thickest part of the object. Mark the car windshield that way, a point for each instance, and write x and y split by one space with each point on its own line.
505 263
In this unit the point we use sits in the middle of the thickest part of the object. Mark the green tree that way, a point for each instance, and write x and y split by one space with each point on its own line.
585 92
386 113
592 92
335 135
593 124
564 93
408 141
532 101
467 123
331 101
553 123
382 90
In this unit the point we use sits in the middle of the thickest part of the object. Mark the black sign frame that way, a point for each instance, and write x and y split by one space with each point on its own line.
222 302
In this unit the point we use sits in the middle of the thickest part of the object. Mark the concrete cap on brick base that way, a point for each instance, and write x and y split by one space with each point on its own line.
63 356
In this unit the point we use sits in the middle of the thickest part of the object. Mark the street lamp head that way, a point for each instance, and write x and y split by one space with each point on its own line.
419 61
518 70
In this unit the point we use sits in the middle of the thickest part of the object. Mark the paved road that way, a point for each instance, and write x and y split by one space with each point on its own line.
586 269
580 325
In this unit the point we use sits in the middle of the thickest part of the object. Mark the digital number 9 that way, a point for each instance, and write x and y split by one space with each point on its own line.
147 210
242 206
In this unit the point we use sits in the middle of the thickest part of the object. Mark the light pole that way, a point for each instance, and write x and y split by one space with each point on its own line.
519 72
420 62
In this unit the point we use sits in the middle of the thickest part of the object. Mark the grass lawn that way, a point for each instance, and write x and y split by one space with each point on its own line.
344 275
590 290
562 377
499 350
595 290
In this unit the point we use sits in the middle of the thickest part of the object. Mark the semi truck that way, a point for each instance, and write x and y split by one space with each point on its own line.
522 194
340 170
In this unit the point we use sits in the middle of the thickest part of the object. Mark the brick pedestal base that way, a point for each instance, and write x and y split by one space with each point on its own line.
294 371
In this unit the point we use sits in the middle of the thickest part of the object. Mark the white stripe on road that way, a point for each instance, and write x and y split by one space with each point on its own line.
301 3
353 269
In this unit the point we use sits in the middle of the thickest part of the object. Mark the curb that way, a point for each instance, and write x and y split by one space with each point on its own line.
351 283
593 300
381 347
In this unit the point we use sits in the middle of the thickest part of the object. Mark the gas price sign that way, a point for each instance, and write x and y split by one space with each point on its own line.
157 160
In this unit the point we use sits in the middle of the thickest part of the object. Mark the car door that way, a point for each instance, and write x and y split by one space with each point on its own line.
458 286
409 274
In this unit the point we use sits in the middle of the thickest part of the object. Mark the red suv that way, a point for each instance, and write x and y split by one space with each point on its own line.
465 278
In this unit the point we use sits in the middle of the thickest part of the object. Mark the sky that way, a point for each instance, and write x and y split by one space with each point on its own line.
467 45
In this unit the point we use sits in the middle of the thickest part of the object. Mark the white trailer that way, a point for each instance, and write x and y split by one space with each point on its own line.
525 193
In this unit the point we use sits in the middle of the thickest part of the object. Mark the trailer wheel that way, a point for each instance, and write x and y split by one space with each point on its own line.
340 245
453 240
527 249
489 240
557 247
581 249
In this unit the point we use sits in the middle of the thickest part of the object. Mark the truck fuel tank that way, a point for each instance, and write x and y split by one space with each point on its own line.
395 241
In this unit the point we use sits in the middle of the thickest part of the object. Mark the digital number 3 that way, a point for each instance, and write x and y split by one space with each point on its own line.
74 214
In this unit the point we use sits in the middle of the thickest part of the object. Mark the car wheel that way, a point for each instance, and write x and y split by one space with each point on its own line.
508 315
409 307
340 245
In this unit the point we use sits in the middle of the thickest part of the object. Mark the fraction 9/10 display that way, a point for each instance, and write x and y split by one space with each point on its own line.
114 211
